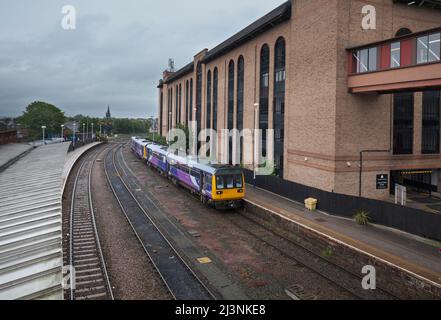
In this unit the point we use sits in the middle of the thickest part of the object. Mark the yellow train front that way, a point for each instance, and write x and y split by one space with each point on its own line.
218 185
228 188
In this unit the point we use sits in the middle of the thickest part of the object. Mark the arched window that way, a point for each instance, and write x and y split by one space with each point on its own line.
230 112
161 109
170 109
187 116
190 111
264 95
279 104
403 32
215 93
208 113
198 98
240 101
180 103
177 105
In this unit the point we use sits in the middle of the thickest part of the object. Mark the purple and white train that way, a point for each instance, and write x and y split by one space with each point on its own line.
219 185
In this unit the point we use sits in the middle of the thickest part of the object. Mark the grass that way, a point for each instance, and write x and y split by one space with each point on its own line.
362 217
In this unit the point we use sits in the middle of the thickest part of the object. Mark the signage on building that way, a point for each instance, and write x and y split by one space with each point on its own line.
382 181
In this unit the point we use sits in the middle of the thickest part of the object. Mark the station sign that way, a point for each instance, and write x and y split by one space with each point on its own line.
382 181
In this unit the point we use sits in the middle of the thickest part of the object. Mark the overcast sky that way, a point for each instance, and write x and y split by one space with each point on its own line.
115 56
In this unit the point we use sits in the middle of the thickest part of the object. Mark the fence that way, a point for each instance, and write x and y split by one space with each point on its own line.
79 144
418 222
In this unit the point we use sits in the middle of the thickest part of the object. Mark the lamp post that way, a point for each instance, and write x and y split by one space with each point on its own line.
101 133
256 107
152 129
62 132
73 137
84 131
169 129
92 131
43 127
87 129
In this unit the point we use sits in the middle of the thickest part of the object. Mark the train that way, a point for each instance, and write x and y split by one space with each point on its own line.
217 185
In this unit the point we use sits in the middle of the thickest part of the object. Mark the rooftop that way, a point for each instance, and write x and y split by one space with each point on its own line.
281 14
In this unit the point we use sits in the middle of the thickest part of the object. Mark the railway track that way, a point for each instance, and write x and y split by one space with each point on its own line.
84 249
302 256
308 259
179 278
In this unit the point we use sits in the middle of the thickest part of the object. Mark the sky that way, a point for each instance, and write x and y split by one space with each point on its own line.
116 54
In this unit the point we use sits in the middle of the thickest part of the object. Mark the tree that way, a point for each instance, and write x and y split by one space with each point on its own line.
40 114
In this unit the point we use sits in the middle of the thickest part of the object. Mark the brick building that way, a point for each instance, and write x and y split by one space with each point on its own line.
333 91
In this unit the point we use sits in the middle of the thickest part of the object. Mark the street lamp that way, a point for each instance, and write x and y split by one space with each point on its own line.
43 127
92 131
152 128
84 130
62 132
101 133
169 129
73 137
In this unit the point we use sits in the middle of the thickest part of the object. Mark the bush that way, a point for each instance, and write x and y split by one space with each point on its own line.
362 217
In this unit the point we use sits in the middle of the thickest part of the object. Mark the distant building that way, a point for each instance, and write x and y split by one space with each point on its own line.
8 131
107 123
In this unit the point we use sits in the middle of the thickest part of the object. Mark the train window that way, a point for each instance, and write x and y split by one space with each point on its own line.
220 182
238 181
195 174
230 182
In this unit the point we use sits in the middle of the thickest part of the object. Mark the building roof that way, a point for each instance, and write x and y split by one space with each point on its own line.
275 17
189 68
432 4
267 22
30 225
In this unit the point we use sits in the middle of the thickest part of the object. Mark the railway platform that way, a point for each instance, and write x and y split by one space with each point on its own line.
406 257
30 221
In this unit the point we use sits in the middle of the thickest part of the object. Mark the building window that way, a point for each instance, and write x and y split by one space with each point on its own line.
230 112
208 119
395 55
403 32
264 94
215 93
177 105
170 109
187 116
198 99
240 100
279 105
431 122
403 123
428 48
161 109
366 59
180 103
190 111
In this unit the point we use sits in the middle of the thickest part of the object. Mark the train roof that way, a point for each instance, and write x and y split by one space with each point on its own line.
158 148
141 141
212 168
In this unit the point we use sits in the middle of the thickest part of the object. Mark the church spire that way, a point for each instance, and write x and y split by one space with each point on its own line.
108 115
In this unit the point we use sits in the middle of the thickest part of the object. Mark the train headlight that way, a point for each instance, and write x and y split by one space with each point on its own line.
219 193
240 191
